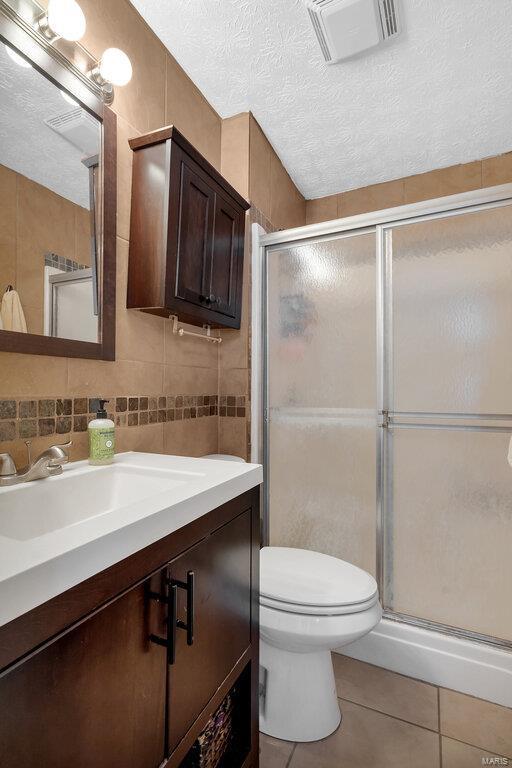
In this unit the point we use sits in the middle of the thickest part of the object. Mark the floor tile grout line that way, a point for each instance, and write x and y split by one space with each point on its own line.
288 762
386 714
465 743
386 669
423 728
477 746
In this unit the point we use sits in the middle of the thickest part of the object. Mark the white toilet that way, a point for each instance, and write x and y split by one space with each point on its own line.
310 603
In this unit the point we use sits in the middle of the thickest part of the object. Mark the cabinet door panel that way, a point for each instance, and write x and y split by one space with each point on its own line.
95 698
195 235
226 258
222 571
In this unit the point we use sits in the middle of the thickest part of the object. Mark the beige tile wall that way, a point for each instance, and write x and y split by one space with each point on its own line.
251 164
424 186
392 721
28 231
271 189
235 152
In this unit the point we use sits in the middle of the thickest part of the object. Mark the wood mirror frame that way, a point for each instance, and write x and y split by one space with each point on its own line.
57 69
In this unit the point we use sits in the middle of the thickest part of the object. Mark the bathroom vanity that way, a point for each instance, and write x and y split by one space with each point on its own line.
129 613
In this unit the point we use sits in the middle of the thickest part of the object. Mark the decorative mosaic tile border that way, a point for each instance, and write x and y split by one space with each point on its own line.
32 418
60 262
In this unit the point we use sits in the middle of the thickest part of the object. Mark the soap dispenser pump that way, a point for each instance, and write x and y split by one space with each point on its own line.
101 437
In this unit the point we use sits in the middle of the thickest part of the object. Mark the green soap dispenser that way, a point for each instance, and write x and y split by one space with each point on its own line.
101 438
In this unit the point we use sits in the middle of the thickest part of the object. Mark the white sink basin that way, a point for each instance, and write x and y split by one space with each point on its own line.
30 510
57 532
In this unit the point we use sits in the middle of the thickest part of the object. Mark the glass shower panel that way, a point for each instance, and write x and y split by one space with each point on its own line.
451 532
321 379
452 313
322 485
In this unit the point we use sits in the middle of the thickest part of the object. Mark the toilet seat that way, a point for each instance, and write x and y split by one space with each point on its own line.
318 610
302 581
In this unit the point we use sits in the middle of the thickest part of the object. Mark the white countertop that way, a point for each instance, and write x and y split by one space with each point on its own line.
33 570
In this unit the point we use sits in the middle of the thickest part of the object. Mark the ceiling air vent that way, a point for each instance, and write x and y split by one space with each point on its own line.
347 27
78 127
388 18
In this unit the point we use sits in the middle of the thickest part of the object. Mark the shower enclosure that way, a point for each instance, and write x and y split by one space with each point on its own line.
388 404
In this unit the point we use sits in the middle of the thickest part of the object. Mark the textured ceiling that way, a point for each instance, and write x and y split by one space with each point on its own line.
30 147
441 94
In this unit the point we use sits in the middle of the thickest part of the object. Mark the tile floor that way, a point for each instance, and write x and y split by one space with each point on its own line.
392 721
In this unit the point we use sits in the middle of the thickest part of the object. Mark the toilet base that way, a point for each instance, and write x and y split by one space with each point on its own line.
299 702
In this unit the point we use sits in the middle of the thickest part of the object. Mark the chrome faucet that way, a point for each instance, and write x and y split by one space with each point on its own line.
48 464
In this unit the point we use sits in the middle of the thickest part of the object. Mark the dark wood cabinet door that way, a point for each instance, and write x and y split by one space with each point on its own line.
227 257
195 237
221 565
186 234
94 698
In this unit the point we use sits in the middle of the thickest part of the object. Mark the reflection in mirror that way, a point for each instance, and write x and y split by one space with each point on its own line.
49 231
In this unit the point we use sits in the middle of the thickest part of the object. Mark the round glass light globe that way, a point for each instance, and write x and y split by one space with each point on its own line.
66 19
115 67
17 58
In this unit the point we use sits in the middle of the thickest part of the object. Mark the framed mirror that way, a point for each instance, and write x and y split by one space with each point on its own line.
57 204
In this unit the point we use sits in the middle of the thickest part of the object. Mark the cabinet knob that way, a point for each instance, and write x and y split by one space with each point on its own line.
211 299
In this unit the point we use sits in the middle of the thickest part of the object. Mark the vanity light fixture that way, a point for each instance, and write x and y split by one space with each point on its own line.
114 68
63 19
17 58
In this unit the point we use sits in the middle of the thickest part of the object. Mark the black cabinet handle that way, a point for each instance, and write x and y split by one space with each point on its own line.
171 622
188 586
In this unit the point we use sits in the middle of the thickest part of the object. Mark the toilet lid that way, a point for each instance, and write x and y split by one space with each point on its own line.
302 577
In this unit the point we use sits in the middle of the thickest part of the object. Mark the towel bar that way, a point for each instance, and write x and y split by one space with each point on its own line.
182 332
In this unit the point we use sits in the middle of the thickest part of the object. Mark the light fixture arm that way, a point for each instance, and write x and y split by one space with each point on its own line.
107 88
43 27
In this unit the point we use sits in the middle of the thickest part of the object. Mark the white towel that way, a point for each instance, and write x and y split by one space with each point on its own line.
11 313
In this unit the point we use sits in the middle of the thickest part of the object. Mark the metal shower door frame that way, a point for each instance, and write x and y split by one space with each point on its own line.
382 223
391 419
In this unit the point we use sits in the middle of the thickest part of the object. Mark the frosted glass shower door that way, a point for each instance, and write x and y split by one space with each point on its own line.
321 396
448 514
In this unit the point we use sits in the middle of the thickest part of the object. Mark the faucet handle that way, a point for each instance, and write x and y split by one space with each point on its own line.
7 465
59 453
56 455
